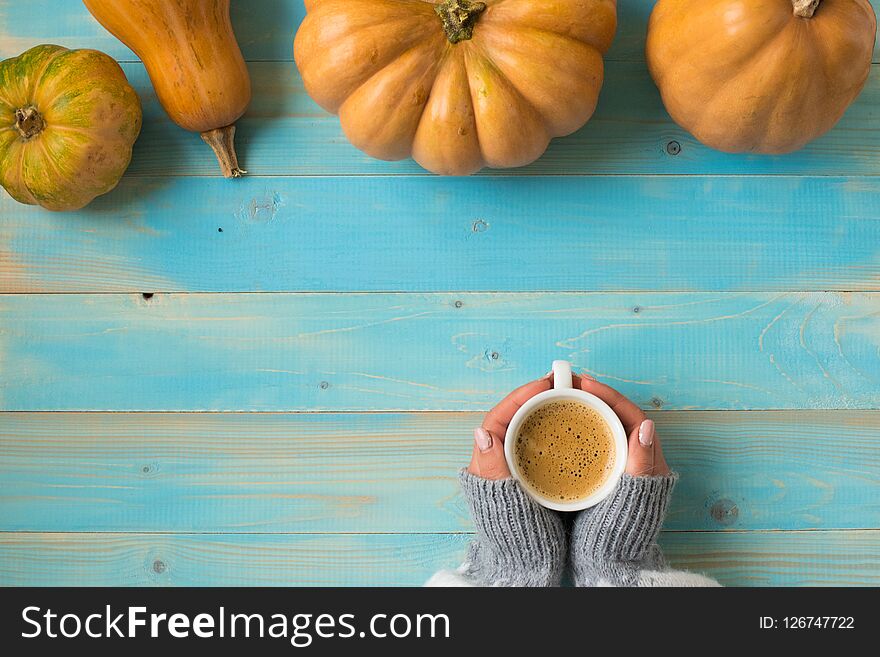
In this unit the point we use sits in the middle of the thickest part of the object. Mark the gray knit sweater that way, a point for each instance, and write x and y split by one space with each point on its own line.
520 543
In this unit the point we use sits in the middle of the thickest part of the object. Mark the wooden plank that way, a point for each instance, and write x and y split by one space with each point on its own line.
285 133
264 28
813 558
816 558
375 472
290 352
225 560
426 234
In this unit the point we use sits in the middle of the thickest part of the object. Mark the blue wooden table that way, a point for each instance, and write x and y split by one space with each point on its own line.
273 380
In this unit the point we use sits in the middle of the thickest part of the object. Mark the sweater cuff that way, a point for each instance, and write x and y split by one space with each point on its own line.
518 541
625 525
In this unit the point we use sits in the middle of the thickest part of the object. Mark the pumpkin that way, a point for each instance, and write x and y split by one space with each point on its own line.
456 84
759 76
194 62
68 121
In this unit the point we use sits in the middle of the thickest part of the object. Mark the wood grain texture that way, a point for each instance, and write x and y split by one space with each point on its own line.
225 560
372 472
426 352
841 558
816 558
425 234
264 28
285 133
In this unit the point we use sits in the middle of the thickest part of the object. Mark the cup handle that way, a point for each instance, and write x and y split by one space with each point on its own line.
562 374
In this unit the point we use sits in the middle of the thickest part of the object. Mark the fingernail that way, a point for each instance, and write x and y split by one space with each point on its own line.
483 439
646 433
585 375
548 374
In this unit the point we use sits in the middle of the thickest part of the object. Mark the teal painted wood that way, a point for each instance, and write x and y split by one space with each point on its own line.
225 560
425 234
285 133
834 558
264 28
778 558
424 352
382 473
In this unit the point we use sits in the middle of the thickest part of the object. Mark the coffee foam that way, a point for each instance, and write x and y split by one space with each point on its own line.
565 450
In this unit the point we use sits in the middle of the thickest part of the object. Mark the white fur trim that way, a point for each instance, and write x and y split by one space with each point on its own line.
647 578
655 578
449 579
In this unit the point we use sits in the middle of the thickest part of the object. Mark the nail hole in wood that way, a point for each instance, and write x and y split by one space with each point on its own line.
656 402
724 511
458 304
673 147
159 566
324 385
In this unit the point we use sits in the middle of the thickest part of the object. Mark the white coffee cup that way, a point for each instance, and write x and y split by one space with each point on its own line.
563 390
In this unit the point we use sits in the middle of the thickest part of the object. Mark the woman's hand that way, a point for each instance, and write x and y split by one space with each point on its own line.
488 459
615 542
645 453
645 456
517 541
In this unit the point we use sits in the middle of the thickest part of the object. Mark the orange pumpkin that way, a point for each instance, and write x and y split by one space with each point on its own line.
456 84
760 76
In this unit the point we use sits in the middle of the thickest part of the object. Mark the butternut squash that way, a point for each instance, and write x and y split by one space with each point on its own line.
194 63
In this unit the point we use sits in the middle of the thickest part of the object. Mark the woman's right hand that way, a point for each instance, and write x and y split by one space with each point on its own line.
645 456
614 542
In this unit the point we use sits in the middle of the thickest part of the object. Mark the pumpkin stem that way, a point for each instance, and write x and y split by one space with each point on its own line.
459 17
805 8
29 122
222 140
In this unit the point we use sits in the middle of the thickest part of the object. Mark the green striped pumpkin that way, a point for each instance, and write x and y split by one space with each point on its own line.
68 121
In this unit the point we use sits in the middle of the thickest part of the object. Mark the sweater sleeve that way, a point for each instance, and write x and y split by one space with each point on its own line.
517 542
615 542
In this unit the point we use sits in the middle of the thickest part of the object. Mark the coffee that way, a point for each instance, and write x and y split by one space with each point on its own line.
564 450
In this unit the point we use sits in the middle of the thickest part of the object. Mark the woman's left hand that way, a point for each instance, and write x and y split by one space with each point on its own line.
487 460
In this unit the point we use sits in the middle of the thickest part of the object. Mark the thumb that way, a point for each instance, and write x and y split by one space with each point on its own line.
488 459
640 460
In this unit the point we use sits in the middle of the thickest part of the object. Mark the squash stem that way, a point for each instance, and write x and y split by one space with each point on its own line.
29 122
459 17
222 140
805 8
